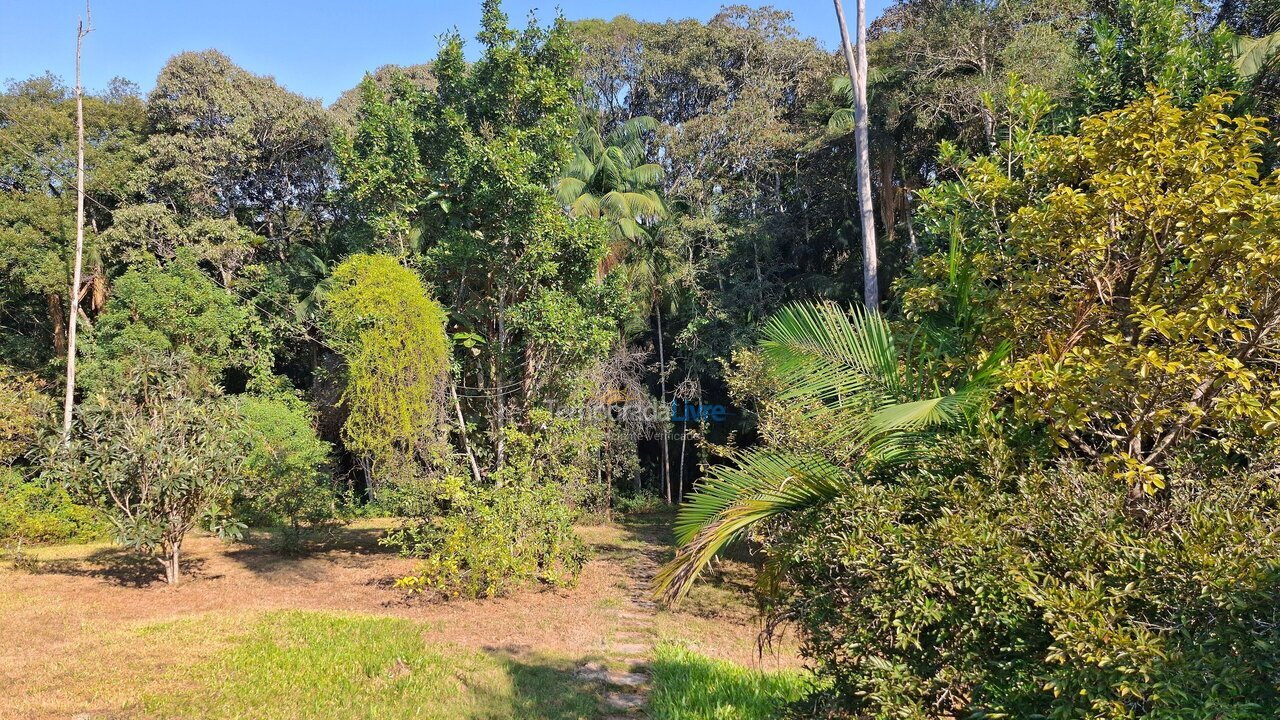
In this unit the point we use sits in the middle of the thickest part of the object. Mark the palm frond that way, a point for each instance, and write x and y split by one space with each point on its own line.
842 369
841 122
569 189
586 205
824 352
756 486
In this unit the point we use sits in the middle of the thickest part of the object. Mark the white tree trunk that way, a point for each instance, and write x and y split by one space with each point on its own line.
858 79
69 399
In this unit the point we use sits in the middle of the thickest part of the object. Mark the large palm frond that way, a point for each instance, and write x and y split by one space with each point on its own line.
756 486
843 371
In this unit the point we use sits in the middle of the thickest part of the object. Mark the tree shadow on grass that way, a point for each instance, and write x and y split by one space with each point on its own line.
543 687
122 567
263 551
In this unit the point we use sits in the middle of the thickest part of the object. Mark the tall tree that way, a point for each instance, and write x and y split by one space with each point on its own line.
858 76
459 181
38 207
74 293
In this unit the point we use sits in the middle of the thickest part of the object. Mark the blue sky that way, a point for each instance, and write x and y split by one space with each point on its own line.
317 48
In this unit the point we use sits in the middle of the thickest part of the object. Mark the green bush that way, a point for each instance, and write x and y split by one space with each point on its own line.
23 409
32 512
516 528
1051 595
492 539
283 483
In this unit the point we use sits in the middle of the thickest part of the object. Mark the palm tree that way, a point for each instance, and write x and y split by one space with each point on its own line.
842 368
608 178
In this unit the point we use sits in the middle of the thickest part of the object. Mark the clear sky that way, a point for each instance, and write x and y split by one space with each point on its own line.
317 48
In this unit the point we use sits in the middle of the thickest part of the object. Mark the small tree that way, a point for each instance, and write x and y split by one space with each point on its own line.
157 453
283 481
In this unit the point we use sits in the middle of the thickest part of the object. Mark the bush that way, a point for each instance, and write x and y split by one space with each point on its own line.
32 512
492 539
1046 596
283 482
23 409
516 529
157 454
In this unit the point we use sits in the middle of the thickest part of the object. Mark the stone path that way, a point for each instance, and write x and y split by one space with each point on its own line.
624 672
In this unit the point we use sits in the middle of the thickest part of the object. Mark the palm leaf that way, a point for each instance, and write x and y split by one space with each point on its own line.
1253 54
823 352
569 189
842 369
756 486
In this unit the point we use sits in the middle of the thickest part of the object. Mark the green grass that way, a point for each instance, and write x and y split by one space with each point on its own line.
688 686
319 665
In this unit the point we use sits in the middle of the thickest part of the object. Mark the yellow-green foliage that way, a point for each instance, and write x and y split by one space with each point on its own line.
1149 280
391 335
1135 267
22 407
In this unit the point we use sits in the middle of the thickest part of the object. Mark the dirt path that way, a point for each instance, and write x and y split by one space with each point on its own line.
57 625
625 670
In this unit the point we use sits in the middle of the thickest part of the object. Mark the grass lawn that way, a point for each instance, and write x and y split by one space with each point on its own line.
688 686
296 664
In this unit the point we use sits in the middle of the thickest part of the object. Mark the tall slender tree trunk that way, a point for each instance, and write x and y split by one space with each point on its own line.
69 400
858 77
662 384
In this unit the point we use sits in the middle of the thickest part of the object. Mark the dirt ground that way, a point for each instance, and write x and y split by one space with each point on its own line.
57 623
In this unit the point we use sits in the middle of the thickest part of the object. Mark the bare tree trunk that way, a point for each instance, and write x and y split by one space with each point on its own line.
684 442
69 400
858 77
58 321
662 384
462 432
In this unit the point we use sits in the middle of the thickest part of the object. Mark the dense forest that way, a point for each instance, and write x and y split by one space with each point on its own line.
612 264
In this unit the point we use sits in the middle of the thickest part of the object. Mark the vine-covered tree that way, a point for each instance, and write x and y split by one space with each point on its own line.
395 363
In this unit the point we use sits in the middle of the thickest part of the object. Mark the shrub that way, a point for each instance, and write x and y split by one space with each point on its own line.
517 528
32 512
1133 266
560 451
492 539
1043 596
22 411
283 482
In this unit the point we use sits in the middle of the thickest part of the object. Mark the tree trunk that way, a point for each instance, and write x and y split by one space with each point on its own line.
69 399
462 433
58 321
858 77
662 384
172 571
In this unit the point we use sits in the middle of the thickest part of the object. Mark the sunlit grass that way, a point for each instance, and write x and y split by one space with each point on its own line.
689 686
320 665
